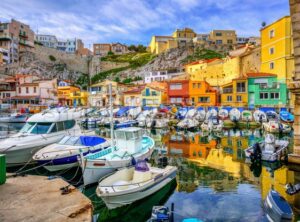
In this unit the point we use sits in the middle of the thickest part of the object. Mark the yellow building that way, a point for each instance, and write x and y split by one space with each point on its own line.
80 98
64 94
277 49
223 37
160 44
235 145
235 93
184 35
153 96
133 97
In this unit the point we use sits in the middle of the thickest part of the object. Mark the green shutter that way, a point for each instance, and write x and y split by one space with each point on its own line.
2 169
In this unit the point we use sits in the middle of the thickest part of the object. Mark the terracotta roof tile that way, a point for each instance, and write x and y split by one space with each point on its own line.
260 74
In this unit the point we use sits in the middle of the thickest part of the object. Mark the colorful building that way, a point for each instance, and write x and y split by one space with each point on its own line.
235 93
223 37
64 94
161 44
133 97
265 89
79 98
154 95
183 36
190 92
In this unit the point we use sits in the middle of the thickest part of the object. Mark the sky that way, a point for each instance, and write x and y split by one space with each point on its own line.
135 21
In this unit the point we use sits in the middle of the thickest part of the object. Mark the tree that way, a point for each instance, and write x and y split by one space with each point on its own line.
110 53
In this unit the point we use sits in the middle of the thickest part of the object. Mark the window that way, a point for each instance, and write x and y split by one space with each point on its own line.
218 34
229 98
274 95
272 33
19 89
27 90
176 86
271 51
69 124
199 85
264 95
41 128
272 65
176 100
241 87
60 126
34 89
219 42
194 85
229 41
239 98
203 99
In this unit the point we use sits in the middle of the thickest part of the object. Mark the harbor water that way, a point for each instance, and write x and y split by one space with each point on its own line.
214 181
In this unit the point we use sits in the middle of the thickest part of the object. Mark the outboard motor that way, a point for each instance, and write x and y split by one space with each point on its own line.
153 124
292 189
280 128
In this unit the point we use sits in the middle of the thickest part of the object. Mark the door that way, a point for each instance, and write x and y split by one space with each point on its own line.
251 100
144 102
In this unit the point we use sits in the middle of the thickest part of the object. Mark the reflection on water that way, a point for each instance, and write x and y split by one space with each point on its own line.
213 181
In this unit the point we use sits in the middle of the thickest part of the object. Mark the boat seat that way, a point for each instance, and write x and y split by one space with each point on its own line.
139 177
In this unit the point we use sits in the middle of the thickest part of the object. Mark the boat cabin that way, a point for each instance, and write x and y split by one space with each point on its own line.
129 139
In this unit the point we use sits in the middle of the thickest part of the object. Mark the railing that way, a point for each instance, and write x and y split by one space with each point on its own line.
274 86
241 89
227 90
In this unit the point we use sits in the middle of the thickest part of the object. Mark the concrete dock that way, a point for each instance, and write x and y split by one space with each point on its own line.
35 198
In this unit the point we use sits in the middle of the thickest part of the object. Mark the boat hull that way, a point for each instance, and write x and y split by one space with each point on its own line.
114 201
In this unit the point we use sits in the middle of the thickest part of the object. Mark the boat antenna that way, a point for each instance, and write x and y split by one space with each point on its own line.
111 115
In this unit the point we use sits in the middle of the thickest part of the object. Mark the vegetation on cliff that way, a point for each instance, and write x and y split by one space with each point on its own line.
202 54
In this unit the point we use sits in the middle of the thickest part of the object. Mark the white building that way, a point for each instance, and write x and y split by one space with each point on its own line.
49 41
161 75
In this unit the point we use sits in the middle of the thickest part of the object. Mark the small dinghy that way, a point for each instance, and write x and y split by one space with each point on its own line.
234 115
122 123
212 124
269 150
134 183
292 189
211 113
200 114
63 155
274 126
160 214
277 208
188 124
286 116
247 116
271 115
160 120
223 114
259 116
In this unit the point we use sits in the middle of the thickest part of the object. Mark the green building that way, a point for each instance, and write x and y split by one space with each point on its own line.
265 90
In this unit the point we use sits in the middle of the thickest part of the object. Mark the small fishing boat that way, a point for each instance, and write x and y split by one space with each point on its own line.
271 115
188 124
286 116
268 150
40 130
211 113
63 155
274 126
259 116
200 114
14 118
122 123
212 124
223 114
160 120
234 115
247 116
134 183
130 146
277 208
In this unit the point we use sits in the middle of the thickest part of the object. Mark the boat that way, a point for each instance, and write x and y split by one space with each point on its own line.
133 183
160 213
277 208
122 123
211 113
200 114
212 124
247 116
133 111
40 130
188 124
14 118
271 115
234 115
292 189
259 116
274 126
286 116
63 155
160 120
130 146
223 114
268 150
146 116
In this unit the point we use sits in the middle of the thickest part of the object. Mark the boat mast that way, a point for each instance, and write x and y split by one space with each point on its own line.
111 115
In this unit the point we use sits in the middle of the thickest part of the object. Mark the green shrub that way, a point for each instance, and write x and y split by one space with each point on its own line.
52 58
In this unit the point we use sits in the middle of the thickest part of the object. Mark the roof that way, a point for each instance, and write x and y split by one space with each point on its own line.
136 90
203 61
260 74
284 17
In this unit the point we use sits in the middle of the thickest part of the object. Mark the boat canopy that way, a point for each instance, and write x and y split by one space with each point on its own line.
283 109
241 109
122 111
228 108
91 140
212 107
200 108
266 109
141 166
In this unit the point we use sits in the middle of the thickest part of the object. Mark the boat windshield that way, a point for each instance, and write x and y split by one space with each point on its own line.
36 128
70 140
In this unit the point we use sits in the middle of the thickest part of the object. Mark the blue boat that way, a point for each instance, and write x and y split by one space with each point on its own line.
63 155
123 111
182 111
286 116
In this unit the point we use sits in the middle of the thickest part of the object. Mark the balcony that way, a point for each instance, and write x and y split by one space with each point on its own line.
267 87
26 43
227 90
241 89
4 36
23 34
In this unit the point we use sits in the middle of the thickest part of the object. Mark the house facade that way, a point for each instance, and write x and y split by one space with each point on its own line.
153 96
223 37
133 97
235 93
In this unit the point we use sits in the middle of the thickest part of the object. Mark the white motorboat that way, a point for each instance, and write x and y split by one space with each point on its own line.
211 113
200 115
247 116
269 150
223 114
63 155
275 126
130 146
146 117
14 118
212 124
160 120
188 124
134 111
191 113
131 184
40 130
259 116
234 115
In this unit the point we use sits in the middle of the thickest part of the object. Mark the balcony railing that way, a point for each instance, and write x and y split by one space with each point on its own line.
227 90
5 36
266 87
241 89
23 34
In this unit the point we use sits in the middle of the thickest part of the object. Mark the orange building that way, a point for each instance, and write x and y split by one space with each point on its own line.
191 92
